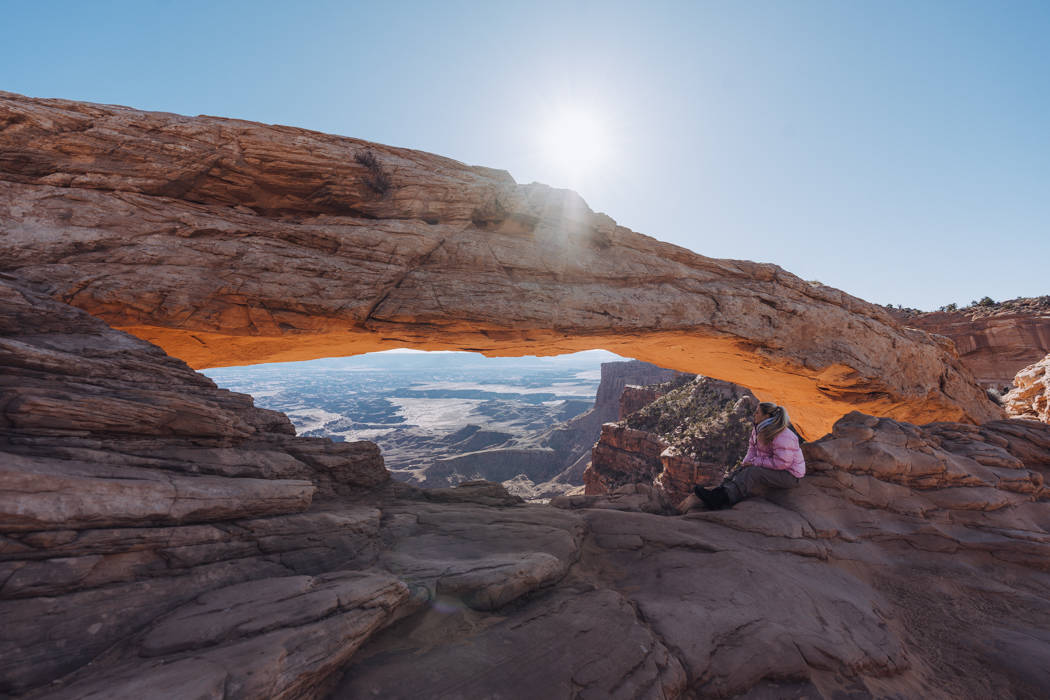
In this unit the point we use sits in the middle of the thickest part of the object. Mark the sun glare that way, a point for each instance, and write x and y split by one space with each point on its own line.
574 141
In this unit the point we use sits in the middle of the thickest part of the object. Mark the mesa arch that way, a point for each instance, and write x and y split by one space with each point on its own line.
230 242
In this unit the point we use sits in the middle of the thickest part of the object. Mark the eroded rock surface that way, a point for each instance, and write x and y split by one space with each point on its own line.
690 434
1030 397
996 341
907 550
230 242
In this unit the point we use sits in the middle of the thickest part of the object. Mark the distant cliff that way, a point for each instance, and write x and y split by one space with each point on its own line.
995 340
551 461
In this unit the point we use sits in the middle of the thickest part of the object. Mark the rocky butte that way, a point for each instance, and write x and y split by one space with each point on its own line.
161 537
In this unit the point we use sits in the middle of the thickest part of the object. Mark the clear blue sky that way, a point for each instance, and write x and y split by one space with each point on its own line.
897 150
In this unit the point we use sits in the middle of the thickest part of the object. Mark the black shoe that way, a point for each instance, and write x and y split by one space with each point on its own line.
714 499
721 497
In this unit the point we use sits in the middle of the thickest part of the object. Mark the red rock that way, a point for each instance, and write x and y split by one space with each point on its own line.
229 242
692 435
906 550
994 342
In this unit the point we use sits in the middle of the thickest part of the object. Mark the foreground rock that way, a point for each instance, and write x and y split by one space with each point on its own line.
231 242
1030 397
906 551
130 484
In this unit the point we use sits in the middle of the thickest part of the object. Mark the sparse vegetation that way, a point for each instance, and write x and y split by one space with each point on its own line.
699 421
378 180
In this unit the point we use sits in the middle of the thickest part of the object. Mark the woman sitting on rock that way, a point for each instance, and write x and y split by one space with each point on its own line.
773 460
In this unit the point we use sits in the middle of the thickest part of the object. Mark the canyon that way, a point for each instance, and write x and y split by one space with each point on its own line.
160 536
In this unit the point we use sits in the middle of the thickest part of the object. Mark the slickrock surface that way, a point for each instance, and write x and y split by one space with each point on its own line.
229 242
691 434
994 342
911 562
1030 397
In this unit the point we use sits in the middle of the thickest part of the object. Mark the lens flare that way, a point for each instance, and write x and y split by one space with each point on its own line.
574 140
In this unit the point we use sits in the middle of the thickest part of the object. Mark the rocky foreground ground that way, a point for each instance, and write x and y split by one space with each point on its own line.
164 538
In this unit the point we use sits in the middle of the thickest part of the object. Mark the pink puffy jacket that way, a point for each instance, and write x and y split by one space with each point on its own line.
783 453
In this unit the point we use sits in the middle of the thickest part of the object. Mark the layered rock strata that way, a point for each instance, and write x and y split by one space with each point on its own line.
994 342
1030 397
273 566
928 543
230 242
130 484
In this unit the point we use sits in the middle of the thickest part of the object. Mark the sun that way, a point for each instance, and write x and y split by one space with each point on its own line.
574 140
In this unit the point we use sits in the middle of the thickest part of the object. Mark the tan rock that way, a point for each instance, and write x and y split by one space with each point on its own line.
42 495
274 638
1030 397
230 242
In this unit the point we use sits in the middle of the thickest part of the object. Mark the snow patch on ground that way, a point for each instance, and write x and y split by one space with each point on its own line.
310 418
560 388
445 415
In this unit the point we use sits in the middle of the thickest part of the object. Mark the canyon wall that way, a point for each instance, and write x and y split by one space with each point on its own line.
994 342
231 242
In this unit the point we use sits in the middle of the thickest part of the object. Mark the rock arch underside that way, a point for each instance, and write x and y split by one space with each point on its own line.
229 242
163 537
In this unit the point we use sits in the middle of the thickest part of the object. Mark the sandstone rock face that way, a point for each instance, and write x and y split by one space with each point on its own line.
906 550
229 242
635 398
689 435
569 445
129 484
1030 397
995 342
916 537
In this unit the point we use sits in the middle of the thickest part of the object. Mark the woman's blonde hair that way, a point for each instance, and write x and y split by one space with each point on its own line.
774 427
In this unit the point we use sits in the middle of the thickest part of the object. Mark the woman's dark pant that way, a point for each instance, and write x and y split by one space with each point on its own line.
750 481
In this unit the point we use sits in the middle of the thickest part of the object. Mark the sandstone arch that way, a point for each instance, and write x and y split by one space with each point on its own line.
230 242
